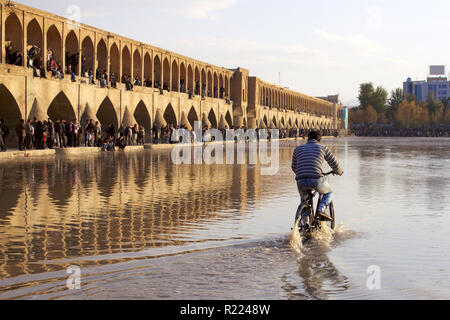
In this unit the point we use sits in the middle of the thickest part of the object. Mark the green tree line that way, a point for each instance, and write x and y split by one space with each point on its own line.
377 106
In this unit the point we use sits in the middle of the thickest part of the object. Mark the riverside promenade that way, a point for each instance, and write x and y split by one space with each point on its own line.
82 151
66 152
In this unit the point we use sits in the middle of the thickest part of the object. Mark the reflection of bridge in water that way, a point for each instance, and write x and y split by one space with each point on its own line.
100 205
223 96
118 203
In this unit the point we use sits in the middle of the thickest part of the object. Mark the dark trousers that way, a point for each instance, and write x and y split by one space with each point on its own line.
70 139
61 140
29 141
21 143
2 143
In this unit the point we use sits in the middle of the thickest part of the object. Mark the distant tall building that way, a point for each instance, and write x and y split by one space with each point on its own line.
333 99
436 85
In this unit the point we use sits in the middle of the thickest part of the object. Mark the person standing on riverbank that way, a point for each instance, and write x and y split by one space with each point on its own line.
4 132
29 132
21 134
2 143
60 136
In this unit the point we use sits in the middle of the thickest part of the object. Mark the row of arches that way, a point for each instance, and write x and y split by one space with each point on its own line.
213 120
280 98
61 108
152 70
303 123
35 37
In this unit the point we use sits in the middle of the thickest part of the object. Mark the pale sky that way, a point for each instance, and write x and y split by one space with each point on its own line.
320 47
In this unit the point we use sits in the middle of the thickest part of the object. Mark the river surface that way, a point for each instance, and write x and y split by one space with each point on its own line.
139 227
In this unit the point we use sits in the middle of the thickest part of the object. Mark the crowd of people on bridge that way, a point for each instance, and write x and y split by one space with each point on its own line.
377 130
129 83
48 134
104 80
165 134
40 135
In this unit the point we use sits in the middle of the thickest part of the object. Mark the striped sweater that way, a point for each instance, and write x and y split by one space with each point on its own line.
308 159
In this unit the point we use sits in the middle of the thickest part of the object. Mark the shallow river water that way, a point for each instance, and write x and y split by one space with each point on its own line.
139 227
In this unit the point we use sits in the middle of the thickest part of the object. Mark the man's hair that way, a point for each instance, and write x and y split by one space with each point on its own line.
314 135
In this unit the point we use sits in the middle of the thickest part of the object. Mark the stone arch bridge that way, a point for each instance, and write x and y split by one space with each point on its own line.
174 87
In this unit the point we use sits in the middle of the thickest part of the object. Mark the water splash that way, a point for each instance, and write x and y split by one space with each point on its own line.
342 233
295 239
323 237
324 234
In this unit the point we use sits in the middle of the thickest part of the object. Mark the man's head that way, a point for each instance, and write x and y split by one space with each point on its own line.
315 135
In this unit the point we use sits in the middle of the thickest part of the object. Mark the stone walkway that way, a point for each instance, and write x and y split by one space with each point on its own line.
72 152
16 154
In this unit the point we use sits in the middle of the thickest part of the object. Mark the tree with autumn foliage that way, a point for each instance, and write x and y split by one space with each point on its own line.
377 107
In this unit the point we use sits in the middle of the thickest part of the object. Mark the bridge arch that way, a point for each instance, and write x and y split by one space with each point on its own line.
170 116
192 117
275 122
54 43
197 84
87 49
107 115
14 34
115 61
148 68
142 117
174 76
266 121
221 87
227 86
158 72
183 79
212 118
61 108
71 53
9 110
210 84
229 120
102 55
126 61
203 84
166 74
190 79
216 85
34 36
137 65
